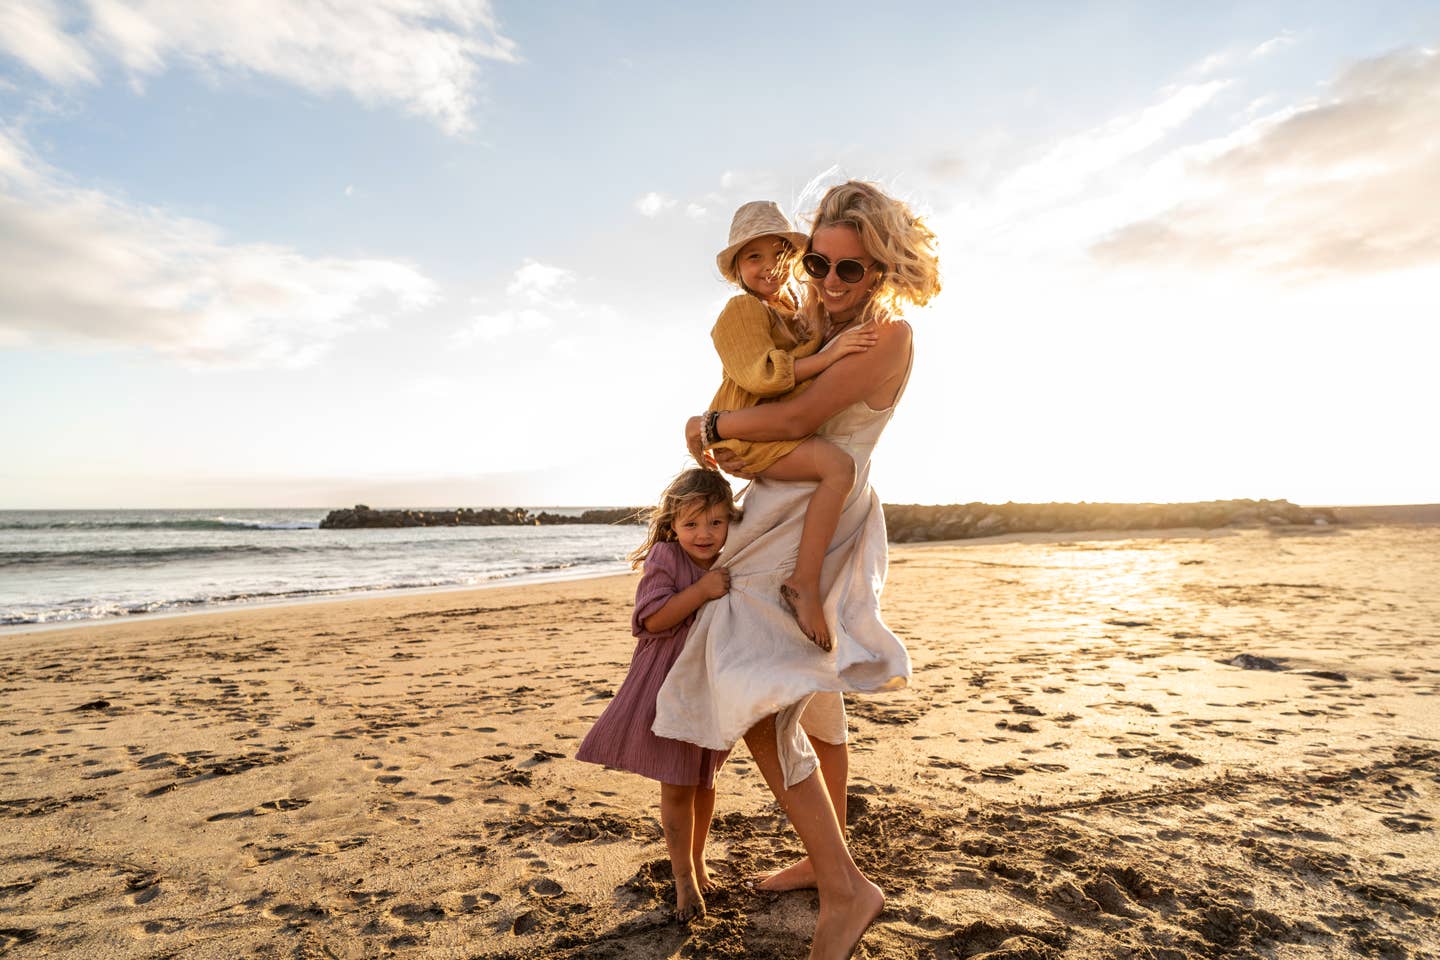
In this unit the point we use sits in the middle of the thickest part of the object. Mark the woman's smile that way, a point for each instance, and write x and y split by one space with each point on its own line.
836 243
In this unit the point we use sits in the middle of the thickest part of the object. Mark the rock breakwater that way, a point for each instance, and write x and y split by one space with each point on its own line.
909 523
362 517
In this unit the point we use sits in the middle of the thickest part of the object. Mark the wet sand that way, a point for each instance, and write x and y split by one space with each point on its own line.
1171 746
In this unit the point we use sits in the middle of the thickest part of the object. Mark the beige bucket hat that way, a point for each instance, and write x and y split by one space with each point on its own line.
758 218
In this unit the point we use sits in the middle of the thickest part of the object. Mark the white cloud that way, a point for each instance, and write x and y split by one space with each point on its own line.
1342 183
653 204
736 187
1065 169
423 55
78 264
747 185
504 323
536 282
1046 203
1214 63
535 300
1274 45
32 33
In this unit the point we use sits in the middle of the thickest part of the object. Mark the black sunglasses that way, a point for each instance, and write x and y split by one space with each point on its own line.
851 271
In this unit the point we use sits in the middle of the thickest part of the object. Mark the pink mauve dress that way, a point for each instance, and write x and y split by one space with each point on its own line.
621 737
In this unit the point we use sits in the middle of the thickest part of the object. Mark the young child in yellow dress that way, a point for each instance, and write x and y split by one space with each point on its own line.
769 348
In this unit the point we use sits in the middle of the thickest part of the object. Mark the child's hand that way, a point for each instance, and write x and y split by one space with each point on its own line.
715 584
854 340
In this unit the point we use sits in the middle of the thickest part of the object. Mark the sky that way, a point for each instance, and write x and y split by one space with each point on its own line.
460 252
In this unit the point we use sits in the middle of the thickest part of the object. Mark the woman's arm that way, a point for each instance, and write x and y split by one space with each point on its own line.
861 376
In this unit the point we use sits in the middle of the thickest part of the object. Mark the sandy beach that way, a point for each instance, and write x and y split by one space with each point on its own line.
1167 746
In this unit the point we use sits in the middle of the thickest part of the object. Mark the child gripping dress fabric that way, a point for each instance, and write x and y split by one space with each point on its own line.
686 532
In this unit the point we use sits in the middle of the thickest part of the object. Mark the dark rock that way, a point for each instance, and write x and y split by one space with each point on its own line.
908 523
1247 661
362 517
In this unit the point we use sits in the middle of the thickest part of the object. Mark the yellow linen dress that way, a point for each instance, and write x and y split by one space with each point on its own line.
758 350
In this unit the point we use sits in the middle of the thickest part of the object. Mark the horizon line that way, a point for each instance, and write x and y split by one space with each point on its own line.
621 506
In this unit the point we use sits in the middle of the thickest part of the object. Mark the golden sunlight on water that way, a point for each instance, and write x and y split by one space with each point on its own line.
1300 591
1121 653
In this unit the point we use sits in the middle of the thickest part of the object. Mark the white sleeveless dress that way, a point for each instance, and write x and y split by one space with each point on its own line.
746 657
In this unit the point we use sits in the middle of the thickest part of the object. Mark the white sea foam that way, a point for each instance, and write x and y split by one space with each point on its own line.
72 566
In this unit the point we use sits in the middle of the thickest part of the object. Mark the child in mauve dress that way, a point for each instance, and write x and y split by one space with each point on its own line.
687 530
769 348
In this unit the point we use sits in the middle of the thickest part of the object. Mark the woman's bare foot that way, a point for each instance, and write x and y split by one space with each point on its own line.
798 876
843 921
804 604
689 904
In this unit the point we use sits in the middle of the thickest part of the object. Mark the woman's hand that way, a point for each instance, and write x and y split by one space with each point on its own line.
715 584
727 460
854 340
696 446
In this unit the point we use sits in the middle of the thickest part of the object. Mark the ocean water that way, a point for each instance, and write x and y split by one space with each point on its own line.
78 565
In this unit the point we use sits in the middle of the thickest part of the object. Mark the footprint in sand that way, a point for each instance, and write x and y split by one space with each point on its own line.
14 936
1024 726
419 913
143 888
1003 771
295 911
1408 822
269 806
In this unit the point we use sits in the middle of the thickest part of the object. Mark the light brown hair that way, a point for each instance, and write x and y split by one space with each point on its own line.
697 487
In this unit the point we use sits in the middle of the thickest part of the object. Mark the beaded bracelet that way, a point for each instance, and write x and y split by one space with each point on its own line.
709 433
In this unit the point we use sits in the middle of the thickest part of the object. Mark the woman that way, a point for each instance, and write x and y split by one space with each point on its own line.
747 669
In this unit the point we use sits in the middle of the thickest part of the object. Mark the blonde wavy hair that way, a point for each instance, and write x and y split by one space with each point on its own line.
692 488
900 241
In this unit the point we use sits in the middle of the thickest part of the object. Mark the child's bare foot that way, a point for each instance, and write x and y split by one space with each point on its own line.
798 876
804 604
843 921
702 878
689 904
